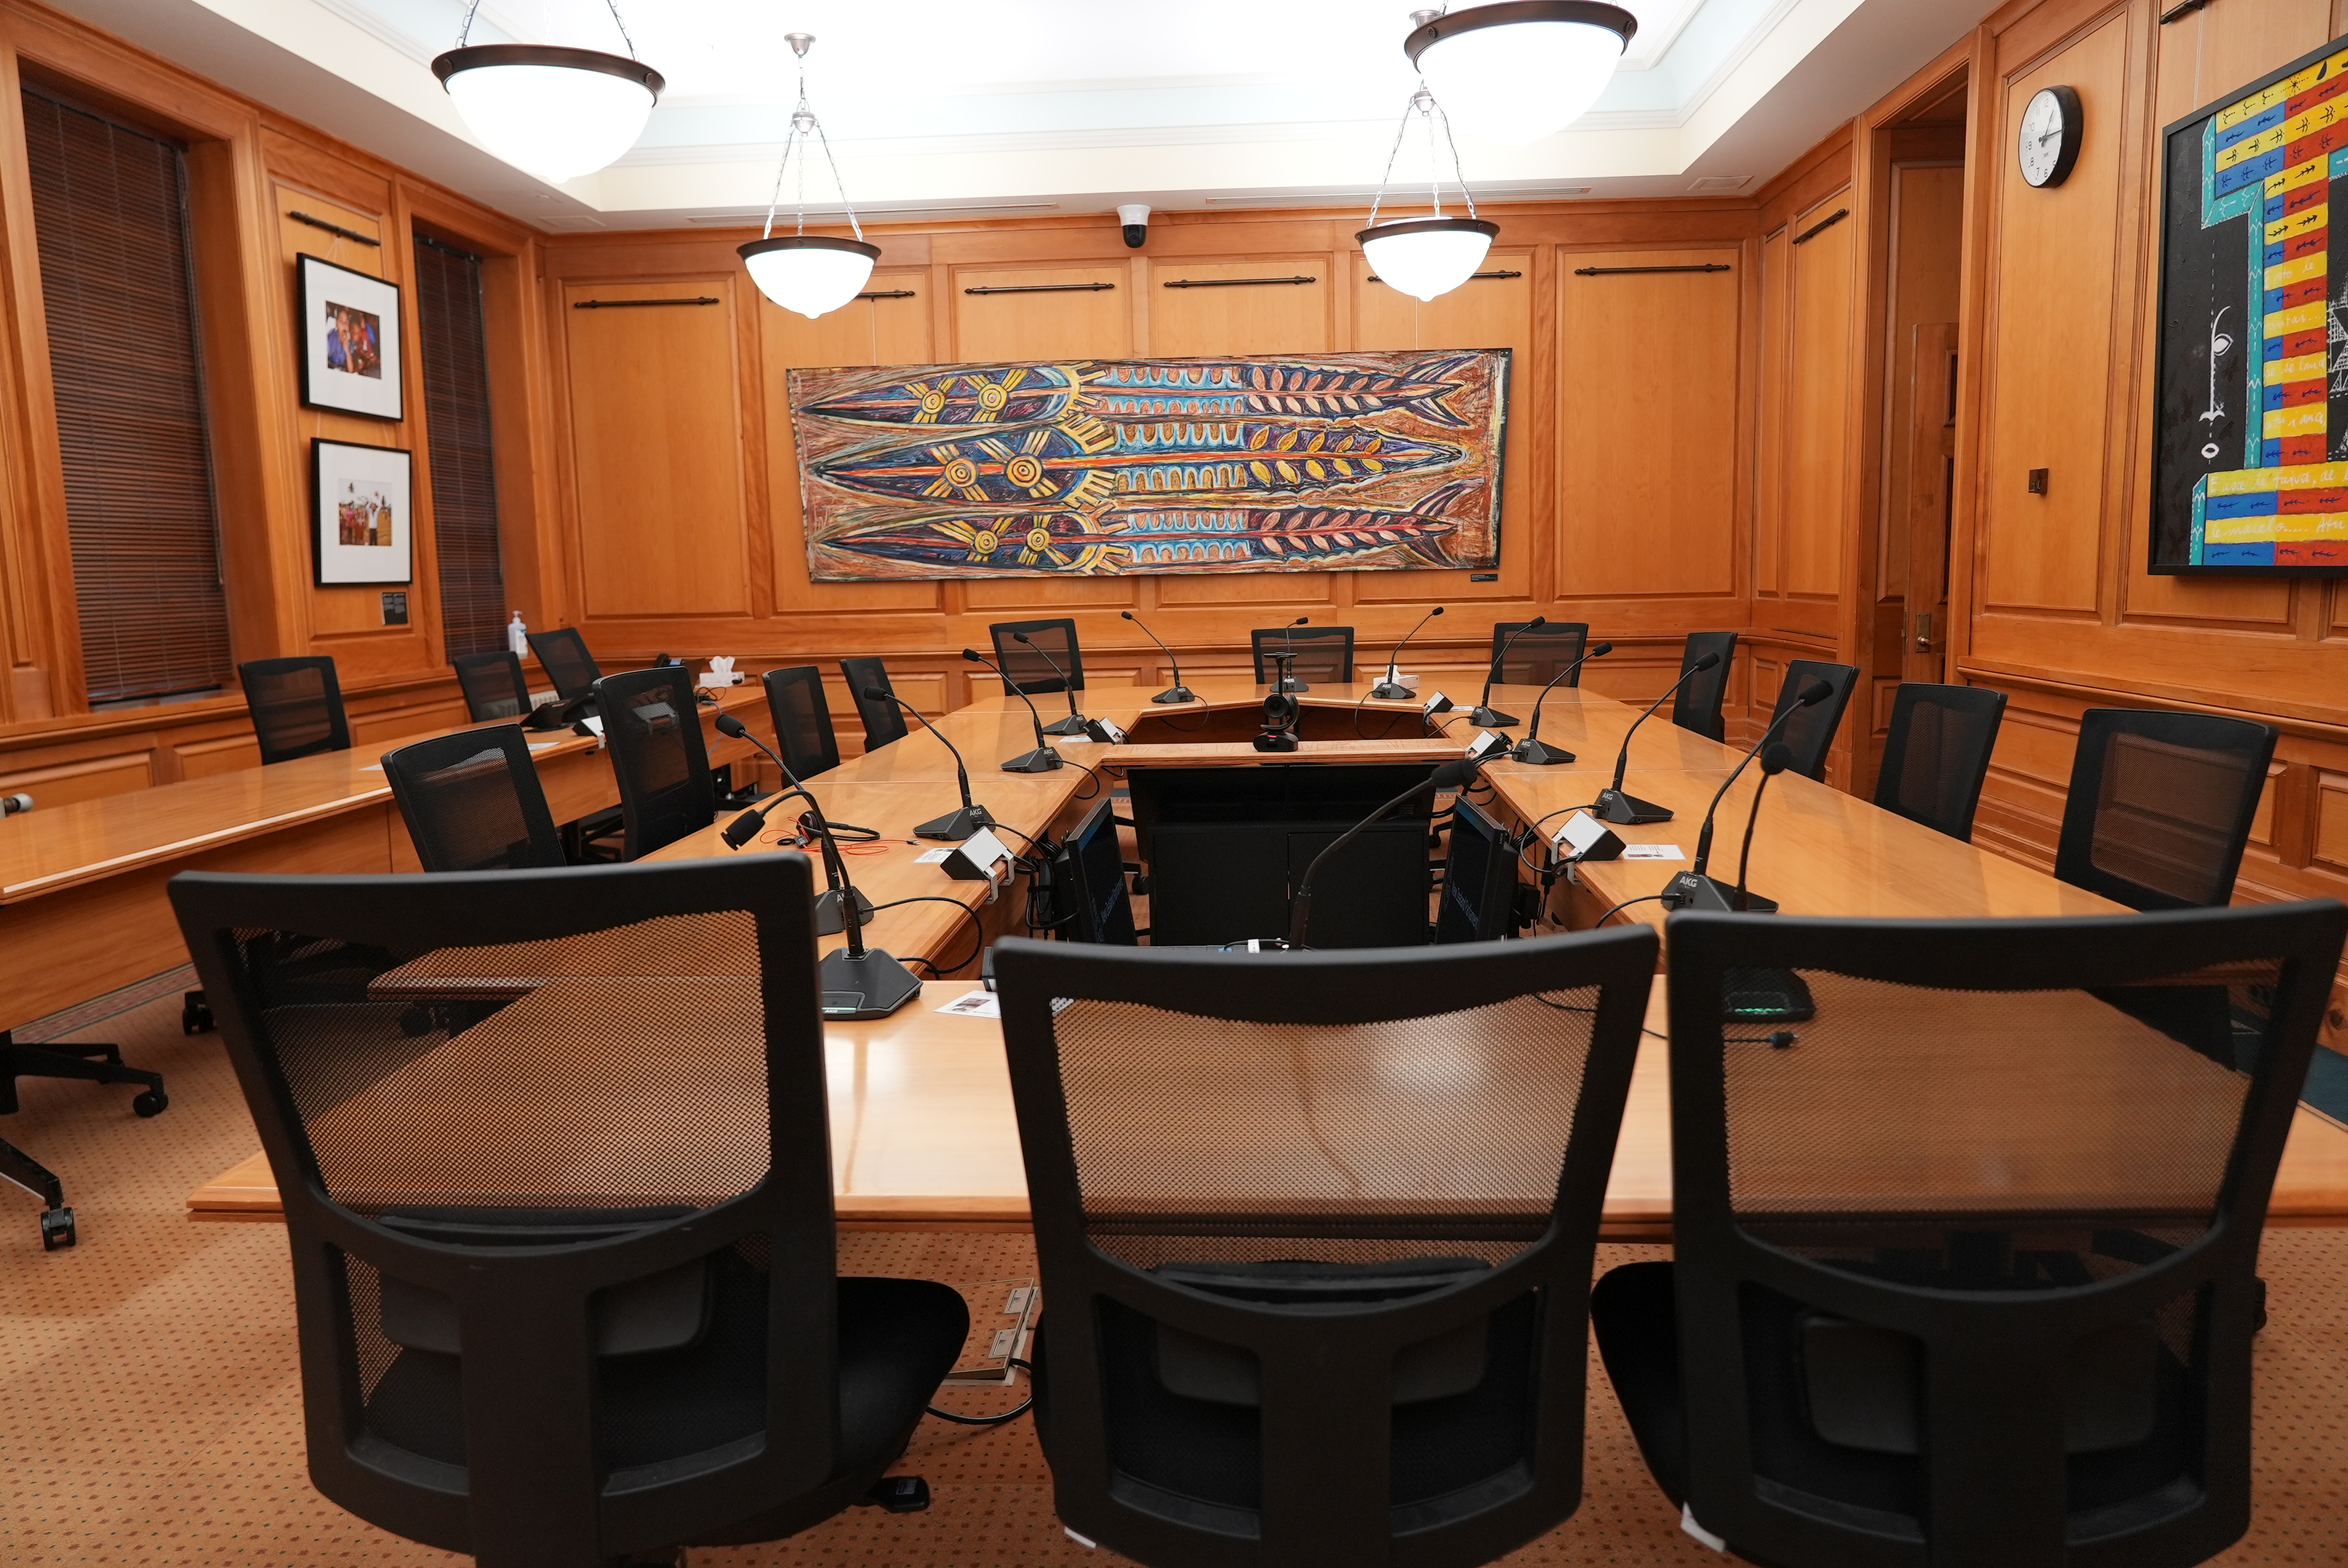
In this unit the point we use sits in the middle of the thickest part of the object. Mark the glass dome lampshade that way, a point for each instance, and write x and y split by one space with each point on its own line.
811 273
1428 256
556 113
1521 70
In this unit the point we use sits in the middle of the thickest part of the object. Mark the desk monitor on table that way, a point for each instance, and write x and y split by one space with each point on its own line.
1480 882
1089 879
1226 845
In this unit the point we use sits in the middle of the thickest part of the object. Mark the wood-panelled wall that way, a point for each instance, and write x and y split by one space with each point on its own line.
679 514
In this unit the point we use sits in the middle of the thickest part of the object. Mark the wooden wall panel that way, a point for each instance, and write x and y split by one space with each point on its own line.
656 447
1823 291
1646 425
1097 325
1242 318
1770 416
2050 392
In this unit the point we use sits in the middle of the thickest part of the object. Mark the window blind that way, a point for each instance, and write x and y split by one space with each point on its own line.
109 206
456 425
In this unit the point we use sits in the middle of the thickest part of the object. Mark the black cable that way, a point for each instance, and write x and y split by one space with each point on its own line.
978 931
1206 717
1092 774
1569 1007
1643 898
1013 1414
1392 719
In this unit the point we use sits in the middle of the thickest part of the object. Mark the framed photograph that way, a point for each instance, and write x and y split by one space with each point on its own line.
349 336
362 502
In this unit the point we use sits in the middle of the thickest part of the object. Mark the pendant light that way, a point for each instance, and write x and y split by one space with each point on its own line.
1521 69
554 112
810 273
1426 257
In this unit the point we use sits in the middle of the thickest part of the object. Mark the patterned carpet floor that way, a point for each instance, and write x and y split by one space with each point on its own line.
151 1410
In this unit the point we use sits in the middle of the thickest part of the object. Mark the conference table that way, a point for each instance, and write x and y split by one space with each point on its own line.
83 909
922 1132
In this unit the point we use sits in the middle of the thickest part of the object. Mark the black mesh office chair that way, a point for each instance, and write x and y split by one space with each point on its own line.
883 721
472 801
1697 705
1324 654
2160 805
296 706
652 727
548 1315
1536 658
494 686
1938 754
1963 1271
1028 668
802 719
1810 734
90 1062
1307 1305
562 655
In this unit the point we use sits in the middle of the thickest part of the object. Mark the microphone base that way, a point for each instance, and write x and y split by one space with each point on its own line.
1042 760
1074 725
829 919
1617 808
1694 890
1485 718
1177 692
957 824
1390 692
873 986
1539 753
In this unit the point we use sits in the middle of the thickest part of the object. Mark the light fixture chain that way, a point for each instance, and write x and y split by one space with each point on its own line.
466 31
622 27
1391 153
839 183
774 203
1459 172
1434 163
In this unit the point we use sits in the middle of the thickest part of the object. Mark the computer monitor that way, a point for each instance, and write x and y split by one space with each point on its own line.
1088 880
1480 880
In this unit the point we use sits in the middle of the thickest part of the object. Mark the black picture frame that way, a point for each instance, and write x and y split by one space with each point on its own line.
379 478
377 341
2219 308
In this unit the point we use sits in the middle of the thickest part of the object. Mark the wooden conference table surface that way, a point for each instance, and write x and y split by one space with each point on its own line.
922 1128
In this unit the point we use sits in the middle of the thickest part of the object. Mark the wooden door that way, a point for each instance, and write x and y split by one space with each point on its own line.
1925 506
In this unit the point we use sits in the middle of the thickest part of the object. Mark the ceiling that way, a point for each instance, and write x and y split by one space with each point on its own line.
939 108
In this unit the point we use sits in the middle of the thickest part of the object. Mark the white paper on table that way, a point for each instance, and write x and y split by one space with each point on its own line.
931 857
1653 852
975 1004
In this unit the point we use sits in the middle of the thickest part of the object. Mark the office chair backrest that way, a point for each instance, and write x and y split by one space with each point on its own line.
1536 658
494 685
1810 734
472 801
1411 1145
1965 1271
562 654
296 706
554 1151
1324 654
2160 805
1938 754
883 721
802 718
652 726
1028 668
1697 705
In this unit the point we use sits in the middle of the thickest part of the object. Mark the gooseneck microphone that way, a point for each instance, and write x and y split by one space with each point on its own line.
1614 806
1774 761
1074 725
1288 681
1532 748
830 915
1693 888
954 825
1486 716
1456 774
1391 688
1177 692
857 981
1043 759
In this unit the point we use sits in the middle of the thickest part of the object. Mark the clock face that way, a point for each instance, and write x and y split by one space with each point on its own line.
2049 143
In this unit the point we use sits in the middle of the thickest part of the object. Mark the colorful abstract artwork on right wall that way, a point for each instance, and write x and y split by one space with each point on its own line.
2250 454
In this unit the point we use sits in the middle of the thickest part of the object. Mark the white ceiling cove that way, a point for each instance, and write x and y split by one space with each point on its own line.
939 107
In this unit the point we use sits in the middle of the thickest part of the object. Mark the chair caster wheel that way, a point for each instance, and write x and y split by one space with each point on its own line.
151 1103
195 1014
56 1229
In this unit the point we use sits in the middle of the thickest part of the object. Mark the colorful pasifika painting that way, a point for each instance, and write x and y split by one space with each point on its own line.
1342 462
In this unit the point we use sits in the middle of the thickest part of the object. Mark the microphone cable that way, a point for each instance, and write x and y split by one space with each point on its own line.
1013 1414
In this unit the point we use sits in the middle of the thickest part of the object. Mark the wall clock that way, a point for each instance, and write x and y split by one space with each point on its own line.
2049 143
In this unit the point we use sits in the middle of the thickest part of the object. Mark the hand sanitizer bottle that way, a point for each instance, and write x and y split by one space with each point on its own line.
518 637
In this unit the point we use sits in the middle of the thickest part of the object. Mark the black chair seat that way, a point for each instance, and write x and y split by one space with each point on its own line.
1634 1313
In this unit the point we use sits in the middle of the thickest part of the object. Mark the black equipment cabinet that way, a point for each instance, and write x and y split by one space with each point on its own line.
1224 848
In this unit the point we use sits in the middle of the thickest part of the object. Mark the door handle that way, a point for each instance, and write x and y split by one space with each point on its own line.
1924 632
